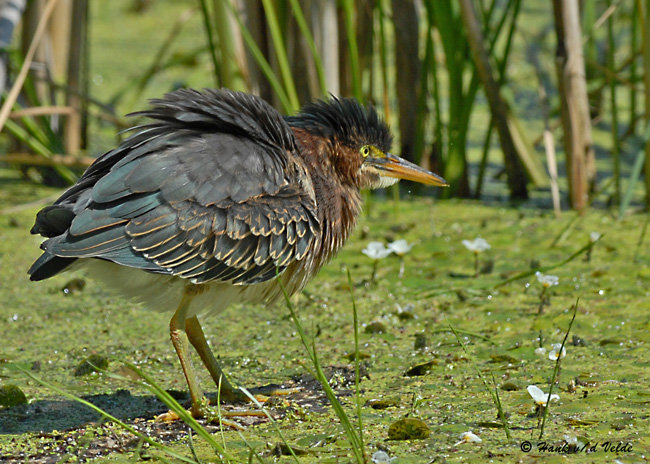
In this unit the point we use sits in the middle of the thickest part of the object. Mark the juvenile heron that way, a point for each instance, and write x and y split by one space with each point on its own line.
201 206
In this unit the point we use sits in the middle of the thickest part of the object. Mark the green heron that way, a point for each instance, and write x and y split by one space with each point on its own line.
203 205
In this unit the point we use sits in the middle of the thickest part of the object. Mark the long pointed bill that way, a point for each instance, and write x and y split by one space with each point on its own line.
394 166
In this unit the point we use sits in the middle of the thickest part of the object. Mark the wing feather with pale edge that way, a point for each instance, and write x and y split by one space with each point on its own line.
212 189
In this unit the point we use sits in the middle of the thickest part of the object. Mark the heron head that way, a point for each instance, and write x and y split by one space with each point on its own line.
358 143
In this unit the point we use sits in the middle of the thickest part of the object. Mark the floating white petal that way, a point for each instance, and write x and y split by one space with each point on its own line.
376 250
547 280
555 352
477 245
468 437
539 396
571 440
400 247
381 457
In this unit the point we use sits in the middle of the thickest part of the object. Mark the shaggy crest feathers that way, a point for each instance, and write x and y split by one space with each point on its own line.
346 120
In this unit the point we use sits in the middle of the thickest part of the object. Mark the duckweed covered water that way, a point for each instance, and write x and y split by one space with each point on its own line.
413 368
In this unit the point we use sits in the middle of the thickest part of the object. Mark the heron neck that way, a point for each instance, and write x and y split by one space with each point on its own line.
338 202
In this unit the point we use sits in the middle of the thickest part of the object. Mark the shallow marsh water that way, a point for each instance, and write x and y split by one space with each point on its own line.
50 332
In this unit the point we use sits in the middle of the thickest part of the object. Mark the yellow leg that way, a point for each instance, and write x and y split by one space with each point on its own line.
197 339
177 329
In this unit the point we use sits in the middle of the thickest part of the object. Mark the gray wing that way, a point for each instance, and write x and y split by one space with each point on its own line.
212 191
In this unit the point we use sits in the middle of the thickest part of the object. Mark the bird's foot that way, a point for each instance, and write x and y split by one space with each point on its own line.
213 416
203 410
199 409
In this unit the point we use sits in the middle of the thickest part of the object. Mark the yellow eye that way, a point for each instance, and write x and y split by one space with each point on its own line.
365 151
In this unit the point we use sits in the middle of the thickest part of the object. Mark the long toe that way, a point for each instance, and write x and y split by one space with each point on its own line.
274 390
199 409
210 414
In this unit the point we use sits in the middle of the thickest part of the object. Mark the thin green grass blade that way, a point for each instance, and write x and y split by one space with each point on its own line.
281 54
182 413
634 74
36 132
192 449
353 49
566 230
306 33
138 451
383 66
159 57
487 142
34 142
207 24
220 416
495 396
253 453
526 152
354 439
273 422
383 60
549 268
613 110
639 242
287 103
422 112
500 407
229 67
39 148
488 286
466 332
38 126
635 175
444 16
557 367
441 15
357 376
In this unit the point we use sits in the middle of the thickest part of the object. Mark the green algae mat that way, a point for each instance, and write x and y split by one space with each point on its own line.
422 387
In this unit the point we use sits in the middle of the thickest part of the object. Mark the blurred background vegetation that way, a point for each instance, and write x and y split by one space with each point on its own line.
505 99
